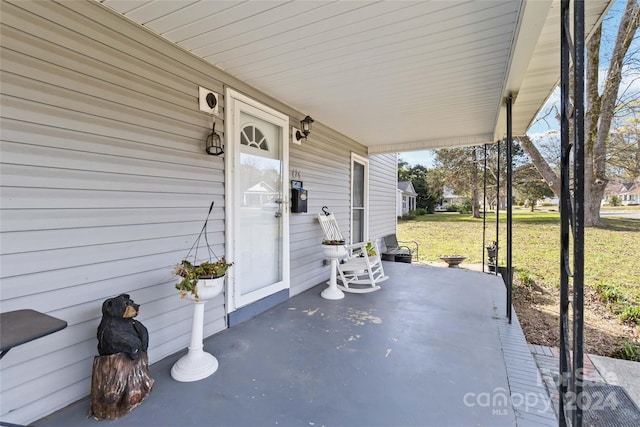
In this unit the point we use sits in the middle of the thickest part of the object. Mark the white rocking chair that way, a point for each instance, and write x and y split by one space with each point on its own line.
357 267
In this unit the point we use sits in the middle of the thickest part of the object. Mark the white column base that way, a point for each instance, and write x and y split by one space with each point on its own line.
194 366
332 292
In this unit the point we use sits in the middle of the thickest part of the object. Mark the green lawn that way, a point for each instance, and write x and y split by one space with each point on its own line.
611 254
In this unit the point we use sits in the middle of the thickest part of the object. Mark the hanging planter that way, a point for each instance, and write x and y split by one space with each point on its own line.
198 282
191 286
334 248
206 289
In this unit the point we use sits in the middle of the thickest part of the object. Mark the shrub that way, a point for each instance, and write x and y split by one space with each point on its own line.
466 206
463 208
615 200
418 212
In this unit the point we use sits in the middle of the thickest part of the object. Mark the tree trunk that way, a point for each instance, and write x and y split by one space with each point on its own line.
599 114
601 109
592 115
541 165
475 199
118 384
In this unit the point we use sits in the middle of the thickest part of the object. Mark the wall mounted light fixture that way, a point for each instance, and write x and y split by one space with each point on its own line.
214 143
305 125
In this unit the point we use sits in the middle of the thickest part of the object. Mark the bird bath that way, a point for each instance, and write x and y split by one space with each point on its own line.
453 260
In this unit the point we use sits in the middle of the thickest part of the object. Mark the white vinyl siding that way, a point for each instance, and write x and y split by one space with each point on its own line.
105 186
324 161
382 195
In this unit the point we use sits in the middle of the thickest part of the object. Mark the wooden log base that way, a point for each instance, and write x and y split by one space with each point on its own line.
118 385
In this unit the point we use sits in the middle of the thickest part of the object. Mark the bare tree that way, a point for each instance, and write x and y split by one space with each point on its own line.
623 153
600 110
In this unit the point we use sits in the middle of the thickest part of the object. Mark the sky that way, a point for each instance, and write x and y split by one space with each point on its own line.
540 127
414 158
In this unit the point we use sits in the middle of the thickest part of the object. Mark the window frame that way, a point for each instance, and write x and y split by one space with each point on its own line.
355 158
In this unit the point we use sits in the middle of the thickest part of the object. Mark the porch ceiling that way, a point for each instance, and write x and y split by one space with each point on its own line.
394 76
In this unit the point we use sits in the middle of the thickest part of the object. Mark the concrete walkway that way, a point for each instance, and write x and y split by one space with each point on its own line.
624 373
619 372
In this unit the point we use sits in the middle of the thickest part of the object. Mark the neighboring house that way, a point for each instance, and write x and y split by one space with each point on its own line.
259 194
449 198
406 198
548 201
627 191
105 182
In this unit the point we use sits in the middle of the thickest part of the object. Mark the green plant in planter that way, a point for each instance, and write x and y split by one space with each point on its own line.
371 250
191 273
333 242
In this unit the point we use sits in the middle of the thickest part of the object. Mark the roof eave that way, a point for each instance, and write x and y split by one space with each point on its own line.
533 18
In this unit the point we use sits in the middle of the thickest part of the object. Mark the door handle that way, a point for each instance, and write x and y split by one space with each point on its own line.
280 201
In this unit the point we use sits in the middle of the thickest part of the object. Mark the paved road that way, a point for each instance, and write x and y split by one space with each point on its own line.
623 214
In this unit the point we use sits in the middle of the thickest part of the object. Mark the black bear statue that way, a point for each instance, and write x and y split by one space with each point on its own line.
118 331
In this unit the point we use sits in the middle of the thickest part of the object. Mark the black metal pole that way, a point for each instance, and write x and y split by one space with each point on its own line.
572 216
565 208
497 211
509 278
484 210
578 198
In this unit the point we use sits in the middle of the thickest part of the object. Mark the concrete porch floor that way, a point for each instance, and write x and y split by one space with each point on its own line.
431 348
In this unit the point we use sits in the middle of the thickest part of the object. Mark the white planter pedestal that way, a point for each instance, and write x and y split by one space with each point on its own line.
335 252
198 364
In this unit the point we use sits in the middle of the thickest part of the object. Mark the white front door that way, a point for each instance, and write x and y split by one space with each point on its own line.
257 211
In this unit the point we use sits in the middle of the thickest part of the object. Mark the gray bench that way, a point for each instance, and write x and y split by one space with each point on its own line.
393 250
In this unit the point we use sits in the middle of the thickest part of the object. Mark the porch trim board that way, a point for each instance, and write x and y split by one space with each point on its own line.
247 312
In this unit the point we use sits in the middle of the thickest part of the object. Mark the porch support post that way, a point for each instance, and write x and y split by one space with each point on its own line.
578 198
565 210
497 210
509 165
484 209
572 216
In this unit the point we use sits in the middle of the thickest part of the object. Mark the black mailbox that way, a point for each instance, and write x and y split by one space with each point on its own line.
298 197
